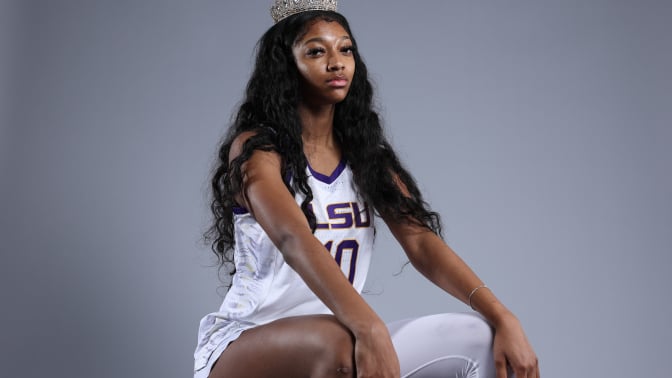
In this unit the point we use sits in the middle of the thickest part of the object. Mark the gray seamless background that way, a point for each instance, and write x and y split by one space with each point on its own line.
541 130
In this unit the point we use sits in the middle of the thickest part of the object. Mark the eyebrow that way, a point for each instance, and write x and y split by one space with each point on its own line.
321 40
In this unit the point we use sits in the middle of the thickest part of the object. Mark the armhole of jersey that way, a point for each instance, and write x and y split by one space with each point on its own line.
240 210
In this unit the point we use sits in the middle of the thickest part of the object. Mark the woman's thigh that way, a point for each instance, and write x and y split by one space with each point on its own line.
305 346
444 345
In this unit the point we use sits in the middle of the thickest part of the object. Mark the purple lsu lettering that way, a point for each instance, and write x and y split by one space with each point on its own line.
341 216
345 215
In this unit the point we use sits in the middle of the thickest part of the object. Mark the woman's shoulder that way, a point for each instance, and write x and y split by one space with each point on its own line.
238 146
238 142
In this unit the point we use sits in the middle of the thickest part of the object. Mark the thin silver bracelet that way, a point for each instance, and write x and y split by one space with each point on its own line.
474 292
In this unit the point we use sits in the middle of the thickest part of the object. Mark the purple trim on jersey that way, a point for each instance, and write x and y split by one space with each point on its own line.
239 210
328 179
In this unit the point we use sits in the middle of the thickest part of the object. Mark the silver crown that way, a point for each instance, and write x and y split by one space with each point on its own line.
286 8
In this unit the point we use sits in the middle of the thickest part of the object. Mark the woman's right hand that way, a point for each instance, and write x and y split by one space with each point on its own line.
375 356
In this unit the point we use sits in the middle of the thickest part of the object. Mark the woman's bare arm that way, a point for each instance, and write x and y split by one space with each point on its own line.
432 257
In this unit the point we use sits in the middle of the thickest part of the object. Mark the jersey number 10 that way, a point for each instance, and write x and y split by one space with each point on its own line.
345 247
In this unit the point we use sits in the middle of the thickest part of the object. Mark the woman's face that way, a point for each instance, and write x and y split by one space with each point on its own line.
326 63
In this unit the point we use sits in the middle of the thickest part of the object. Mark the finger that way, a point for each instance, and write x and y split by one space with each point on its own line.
500 368
522 372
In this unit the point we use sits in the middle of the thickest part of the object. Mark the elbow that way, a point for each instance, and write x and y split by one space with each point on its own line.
284 242
290 245
419 256
421 265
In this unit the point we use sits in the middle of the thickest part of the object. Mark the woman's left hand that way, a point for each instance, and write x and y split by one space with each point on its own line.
512 350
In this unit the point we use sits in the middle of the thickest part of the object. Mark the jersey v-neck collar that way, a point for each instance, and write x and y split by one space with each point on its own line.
331 178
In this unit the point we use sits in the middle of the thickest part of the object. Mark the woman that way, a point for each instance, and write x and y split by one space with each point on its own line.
302 171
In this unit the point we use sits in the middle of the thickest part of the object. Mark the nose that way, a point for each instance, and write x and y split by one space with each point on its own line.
335 63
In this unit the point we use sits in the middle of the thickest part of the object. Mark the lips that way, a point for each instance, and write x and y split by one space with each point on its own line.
337 81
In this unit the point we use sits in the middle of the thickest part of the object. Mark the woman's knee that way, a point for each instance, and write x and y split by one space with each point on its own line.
458 341
441 331
320 343
472 331
482 333
334 347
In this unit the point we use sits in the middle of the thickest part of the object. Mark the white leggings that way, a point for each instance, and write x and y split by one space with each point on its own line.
454 345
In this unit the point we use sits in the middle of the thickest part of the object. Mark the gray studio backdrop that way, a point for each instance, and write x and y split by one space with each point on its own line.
541 130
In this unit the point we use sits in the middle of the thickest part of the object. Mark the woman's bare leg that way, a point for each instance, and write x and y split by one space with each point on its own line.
314 346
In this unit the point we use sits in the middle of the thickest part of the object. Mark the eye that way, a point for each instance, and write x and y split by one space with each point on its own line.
348 50
315 51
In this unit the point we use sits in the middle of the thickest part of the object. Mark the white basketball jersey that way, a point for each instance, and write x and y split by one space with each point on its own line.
264 288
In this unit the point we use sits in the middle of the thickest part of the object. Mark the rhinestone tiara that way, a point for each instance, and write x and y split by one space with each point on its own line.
286 8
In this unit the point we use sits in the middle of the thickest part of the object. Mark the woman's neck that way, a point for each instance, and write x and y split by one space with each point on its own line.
318 125
319 144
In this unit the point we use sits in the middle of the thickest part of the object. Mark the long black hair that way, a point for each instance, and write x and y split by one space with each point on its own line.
270 109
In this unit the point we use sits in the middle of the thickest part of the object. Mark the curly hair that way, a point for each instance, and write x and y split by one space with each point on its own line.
270 109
